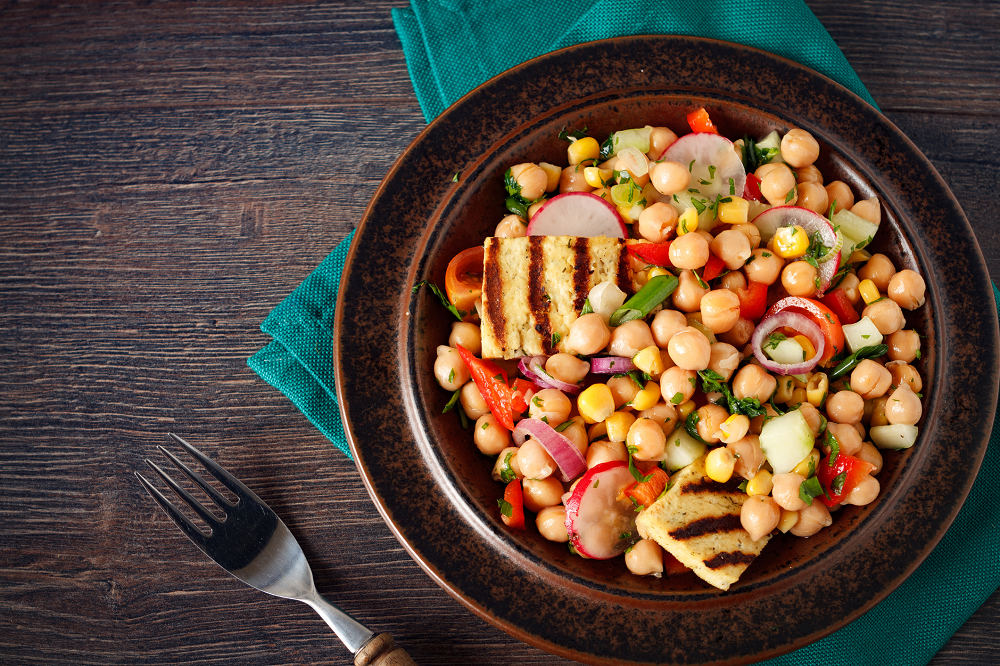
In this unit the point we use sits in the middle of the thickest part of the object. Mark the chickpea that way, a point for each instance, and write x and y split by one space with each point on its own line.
845 407
812 416
623 390
645 558
786 491
724 359
648 437
690 349
572 180
840 195
749 456
534 460
576 432
665 325
904 373
753 381
710 417
799 278
550 405
739 334
551 522
689 251
813 196
732 281
467 335
847 438
757 422
869 210
660 139
864 493
507 460
765 169
567 368
664 414
778 186
588 335
877 417
808 174
669 177
886 315
720 310
472 401
733 247
532 179
907 288
903 406
860 428
751 232
657 222
733 429
677 384
870 454
850 286
765 267
904 345
759 515
812 519
870 379
687 297
450 370
541 493
512 226
630 338
799 149
878 269
490 437
603 451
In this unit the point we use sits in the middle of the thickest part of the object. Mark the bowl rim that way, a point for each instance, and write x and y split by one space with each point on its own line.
406 307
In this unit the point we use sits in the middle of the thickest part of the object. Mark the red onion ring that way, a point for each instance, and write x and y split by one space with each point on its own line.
533 368
796 322
568 458
610 365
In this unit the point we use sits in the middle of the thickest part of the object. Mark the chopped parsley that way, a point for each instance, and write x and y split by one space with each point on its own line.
678 398
564 425
754 156
636 474
567 134
506 510
837 485
452 402
712 382
441 297
506 469
809 489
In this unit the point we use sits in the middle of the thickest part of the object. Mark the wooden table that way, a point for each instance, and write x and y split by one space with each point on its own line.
168 173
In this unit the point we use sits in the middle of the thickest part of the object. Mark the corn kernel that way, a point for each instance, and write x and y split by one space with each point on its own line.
629 212
687 222
553 172
869 291
734 211
648 360
817 389
787 520
647 397
798 396
808 466
684 410
596 177
799 381
791 242
806 344
656 271
783 393
586 148
618 425
598 431
760 484
719 464
596 403
859 257
734 428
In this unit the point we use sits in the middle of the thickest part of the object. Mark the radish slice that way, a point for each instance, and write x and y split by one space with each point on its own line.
772 219
579 214
716 172
611 365
600 520
533 368
796 322
567 456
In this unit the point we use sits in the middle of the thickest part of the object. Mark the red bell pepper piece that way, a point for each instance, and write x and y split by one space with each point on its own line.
753 300
699 121
672 566
492 383
841 306
841 477
751 190
519 394
657 254
826 319
713 268
512 503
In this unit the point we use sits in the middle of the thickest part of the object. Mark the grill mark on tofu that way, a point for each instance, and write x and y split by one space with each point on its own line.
623 278
729 559
581 273
494 292
538 302
709 525
707 485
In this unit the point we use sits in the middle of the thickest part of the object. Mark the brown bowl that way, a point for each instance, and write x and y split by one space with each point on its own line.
434 489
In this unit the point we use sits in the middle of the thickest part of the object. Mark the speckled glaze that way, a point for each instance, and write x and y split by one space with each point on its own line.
434 489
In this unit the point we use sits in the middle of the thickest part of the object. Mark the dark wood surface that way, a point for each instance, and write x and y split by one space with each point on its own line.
169 171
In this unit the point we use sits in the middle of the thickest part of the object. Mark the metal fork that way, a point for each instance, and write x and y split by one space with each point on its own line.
252 544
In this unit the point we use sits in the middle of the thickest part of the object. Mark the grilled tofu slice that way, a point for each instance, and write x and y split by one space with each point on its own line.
698 521
534 289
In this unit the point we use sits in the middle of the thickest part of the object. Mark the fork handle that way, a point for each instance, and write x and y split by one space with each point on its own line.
380 651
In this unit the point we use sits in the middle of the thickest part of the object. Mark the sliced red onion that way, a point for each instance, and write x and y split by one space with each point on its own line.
569 459
611 365
533 368
796 322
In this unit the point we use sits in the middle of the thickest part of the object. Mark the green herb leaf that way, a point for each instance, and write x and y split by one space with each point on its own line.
441 297
516 206
452 402
506 509
678 398
809 489
691 426
572 135
849 363
652 294
587 309
636 474
506 469
565 424
837 485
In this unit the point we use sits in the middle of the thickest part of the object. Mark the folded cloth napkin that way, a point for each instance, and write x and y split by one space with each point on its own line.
451 46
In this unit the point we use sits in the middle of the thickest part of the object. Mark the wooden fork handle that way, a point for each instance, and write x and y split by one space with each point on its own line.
381 652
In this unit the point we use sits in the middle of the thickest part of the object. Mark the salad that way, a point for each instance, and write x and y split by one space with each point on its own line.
674 312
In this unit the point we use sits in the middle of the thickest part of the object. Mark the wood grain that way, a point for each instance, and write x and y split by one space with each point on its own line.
169 171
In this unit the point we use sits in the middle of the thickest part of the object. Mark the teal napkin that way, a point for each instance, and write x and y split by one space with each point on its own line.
451 46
